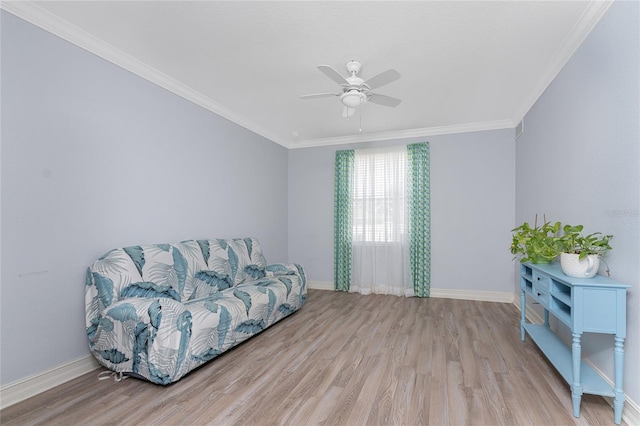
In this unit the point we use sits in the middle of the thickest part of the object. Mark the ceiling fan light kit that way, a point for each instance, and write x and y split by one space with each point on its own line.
353 98
356 91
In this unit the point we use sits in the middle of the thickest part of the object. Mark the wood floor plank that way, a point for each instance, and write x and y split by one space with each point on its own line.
345 359
364 403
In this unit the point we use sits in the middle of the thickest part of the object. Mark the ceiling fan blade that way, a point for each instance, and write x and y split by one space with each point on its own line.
384 100
383 78
320 95
348 112
334 75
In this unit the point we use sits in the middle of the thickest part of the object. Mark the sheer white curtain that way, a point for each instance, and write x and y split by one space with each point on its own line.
380 220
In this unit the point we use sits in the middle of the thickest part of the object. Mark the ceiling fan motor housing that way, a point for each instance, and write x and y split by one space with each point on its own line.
353 67
354 81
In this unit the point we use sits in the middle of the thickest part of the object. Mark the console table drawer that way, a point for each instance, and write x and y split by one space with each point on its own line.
541 281
540 294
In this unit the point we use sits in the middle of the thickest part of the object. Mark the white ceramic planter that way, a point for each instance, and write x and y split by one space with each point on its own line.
574 267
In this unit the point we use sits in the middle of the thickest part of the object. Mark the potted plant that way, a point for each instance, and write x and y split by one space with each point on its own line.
537 244
581 254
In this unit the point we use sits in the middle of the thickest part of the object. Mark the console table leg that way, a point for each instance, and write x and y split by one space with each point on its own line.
618 363
576 386
523 311
546 318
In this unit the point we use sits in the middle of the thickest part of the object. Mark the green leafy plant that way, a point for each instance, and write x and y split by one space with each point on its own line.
573 241
537 244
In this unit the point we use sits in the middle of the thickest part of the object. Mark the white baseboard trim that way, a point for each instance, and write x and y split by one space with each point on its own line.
482 296
320 285
33 385
631 412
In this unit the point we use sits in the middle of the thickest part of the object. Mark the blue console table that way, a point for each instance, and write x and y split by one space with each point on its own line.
594 305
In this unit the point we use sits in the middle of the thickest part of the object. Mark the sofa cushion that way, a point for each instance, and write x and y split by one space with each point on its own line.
216 256
250 262
238 259
149 289
254 272
215 280
165 270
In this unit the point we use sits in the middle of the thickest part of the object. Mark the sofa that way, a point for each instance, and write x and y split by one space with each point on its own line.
159 311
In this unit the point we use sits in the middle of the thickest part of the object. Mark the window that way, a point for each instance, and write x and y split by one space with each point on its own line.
382 221
379 195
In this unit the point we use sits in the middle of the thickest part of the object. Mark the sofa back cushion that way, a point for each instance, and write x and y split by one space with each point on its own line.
238 259
251 263
159 270
184 271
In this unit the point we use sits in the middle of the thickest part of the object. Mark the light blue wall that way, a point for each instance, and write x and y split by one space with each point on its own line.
472 209
93 158
578 161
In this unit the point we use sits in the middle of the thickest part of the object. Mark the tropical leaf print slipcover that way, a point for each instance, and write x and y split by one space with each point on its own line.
159 311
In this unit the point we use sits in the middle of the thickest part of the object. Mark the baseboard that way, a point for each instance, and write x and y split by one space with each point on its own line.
631 412
482 296
31 386
320 285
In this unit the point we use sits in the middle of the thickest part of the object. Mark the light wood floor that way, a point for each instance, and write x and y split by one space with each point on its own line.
345 359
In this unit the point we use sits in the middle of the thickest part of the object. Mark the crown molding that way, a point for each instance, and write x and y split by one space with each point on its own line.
49 22
405 134
53 24
42 18
592 14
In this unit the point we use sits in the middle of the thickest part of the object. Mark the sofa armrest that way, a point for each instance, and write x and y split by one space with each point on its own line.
280 269
141 334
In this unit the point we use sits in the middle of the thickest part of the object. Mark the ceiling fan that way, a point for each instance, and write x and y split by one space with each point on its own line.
356 91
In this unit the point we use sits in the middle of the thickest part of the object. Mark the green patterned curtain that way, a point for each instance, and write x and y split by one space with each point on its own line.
419 218
342 219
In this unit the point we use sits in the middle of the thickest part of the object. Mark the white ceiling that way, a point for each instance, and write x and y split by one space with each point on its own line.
465 66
